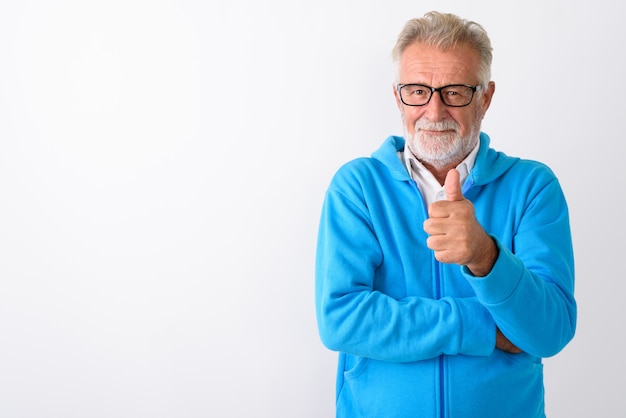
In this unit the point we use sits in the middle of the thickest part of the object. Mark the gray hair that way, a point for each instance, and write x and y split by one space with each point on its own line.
445 31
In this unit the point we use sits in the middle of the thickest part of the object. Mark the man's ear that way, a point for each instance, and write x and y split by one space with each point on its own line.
397 96
485 98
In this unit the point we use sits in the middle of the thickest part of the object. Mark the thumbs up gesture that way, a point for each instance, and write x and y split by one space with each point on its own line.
454 233
452 186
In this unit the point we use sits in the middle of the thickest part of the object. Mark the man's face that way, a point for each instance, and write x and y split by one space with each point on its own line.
437 134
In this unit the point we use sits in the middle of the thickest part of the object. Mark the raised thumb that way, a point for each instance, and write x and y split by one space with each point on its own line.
452 186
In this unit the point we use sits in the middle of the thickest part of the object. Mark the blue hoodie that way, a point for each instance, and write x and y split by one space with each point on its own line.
416 337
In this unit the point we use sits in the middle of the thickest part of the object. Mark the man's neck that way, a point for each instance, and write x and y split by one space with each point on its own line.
440 173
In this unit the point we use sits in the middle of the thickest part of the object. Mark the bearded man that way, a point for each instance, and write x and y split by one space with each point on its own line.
444 270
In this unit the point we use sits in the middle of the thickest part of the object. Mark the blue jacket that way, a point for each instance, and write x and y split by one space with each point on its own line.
416 337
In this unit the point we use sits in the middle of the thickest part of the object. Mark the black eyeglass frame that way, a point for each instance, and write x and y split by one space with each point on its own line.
439 90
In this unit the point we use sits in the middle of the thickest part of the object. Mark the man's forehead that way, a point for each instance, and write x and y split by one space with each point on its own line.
419 59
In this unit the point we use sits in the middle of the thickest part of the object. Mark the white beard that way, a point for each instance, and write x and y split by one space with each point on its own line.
443 150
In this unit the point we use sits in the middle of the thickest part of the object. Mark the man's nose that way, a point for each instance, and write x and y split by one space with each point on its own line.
436 110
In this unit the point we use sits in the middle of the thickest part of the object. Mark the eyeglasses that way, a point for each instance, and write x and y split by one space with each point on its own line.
454 95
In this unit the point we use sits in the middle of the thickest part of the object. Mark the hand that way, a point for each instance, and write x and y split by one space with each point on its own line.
503 343
455 234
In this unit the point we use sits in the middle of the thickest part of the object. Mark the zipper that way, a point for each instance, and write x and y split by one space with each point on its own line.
442 409
442 412
438 289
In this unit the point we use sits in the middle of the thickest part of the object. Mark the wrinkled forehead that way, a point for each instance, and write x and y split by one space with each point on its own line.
426 64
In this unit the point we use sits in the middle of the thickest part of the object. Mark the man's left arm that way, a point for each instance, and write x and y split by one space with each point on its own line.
528 291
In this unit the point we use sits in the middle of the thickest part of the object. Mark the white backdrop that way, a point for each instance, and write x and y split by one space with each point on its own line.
162 169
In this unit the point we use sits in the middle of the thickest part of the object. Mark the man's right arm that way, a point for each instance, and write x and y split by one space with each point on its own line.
356 319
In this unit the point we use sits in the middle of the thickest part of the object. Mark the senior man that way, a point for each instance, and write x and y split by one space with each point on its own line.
444 269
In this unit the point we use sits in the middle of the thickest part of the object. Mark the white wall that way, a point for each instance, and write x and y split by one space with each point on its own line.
162 168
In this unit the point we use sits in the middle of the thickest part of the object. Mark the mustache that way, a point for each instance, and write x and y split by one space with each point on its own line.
443 125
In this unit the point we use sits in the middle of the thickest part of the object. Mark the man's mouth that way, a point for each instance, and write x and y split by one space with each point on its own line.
436 132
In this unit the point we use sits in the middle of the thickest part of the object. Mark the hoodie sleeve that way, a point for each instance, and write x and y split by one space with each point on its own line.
355 318
530 290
